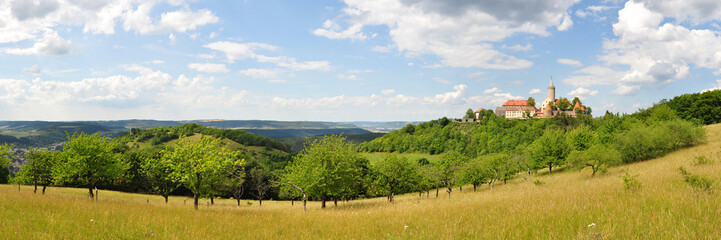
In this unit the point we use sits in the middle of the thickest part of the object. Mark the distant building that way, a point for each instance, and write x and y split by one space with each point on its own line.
520 109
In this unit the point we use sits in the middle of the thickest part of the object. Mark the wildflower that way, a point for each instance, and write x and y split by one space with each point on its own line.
592 224
405 227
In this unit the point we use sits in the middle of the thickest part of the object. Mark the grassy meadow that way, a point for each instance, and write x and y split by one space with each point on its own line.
567 205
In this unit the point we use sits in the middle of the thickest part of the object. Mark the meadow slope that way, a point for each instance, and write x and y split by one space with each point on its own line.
569 205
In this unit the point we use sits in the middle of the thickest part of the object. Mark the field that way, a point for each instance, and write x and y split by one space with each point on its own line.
568 205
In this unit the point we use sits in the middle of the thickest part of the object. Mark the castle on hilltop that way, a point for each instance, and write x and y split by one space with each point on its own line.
551 106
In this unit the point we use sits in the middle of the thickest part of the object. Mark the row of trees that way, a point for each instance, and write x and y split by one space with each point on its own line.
203 166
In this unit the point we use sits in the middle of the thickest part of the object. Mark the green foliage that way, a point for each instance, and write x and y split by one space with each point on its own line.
703 160
531 102
450 168
158 169
38 169
642 142
161 135
539 183
696 181
549 150
630 183
89 161
597 157
581 138
200 165
470 113
397 175
5 161
702 107
564 104
328 168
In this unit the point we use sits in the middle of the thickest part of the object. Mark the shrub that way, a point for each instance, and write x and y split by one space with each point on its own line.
702 160
539 182
630 183
696 181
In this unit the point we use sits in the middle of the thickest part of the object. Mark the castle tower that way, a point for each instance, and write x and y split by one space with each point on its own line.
551 95
551 91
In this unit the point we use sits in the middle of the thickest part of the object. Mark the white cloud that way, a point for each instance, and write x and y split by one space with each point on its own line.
535 91
209 67
716 86
581 92
176 21
566 23
461 33
235 51
50 45
569 62
259 73
352 32
519 47
352 77
383 49
476 75
492 90
27 9
277 81
34 70
156 61
653 50
388 91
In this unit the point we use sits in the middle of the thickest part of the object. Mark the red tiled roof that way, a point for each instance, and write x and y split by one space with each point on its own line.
515 103
480 110
548 107
578 106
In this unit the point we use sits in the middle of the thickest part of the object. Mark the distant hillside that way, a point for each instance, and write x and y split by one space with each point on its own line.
160 135
297 143
40 134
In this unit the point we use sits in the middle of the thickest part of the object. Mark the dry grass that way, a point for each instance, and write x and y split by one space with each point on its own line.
570 205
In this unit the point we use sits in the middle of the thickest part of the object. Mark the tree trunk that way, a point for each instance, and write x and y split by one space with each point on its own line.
390 197
474 187
305 198
90 191
428 192
36 186
449 190
460 188
211 200
44 186
166 198
436 191
550 168
292 201
96 194
260 202
238 200
322 205
335 202
197 191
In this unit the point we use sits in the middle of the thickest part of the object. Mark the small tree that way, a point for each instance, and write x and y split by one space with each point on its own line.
199 162
89 161
531 102
397 175
37 170
598 157
5 162
450 168
470 113
475 173
158 169
550 149
260 179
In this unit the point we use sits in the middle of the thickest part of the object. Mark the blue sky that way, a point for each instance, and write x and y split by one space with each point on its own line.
349 60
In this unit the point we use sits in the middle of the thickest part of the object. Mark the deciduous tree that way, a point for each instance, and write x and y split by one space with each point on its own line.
89 161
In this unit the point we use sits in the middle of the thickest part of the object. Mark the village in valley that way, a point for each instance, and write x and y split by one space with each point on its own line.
524 109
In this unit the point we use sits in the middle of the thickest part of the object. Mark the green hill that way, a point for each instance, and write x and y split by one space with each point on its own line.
562 205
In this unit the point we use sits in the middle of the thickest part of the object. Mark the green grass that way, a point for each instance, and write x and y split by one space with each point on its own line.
17 134
569 205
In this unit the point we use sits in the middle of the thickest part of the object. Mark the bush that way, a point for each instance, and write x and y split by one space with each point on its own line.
703 160
539 183
696 181
630 183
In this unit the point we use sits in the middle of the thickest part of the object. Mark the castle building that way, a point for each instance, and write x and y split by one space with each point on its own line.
520 108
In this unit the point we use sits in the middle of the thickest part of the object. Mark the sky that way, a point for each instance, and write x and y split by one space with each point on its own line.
350 60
